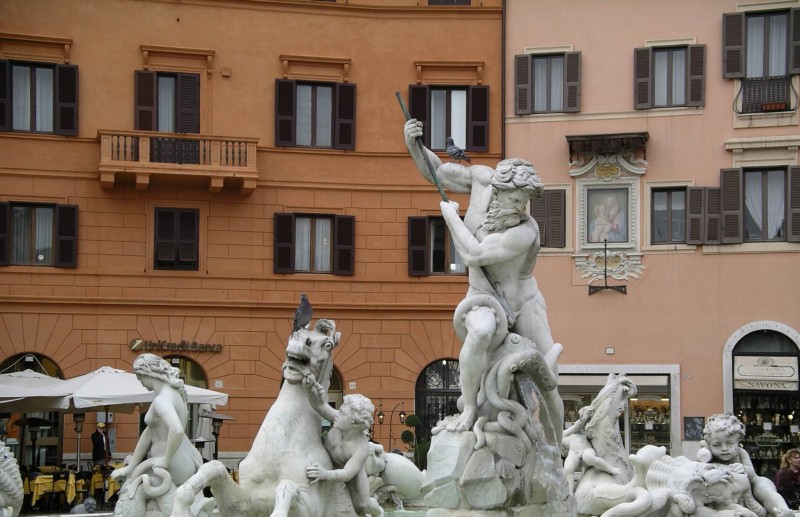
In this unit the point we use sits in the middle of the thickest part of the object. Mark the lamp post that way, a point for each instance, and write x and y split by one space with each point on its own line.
377 415
78 418
402 421
34 425
217 419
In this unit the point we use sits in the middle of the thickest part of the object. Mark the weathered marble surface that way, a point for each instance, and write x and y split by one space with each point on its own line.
11 492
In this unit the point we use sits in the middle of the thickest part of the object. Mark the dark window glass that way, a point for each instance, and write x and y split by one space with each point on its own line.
314 115
669 77
437 391
313 244
32 97
765 205
766 86
548 83
444 258
32 232
669 216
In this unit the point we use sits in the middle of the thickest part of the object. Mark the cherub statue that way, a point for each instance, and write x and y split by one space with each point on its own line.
721 446
580 451
347 444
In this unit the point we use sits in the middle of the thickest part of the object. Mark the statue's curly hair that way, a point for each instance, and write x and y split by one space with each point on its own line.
154 366
516 173
362 410
726 422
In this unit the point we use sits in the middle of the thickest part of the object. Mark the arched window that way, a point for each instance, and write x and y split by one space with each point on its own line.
437 391
48 443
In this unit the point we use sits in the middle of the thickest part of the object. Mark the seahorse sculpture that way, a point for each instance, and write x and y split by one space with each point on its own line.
10 483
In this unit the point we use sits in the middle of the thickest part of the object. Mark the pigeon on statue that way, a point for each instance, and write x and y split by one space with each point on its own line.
456 152
302 316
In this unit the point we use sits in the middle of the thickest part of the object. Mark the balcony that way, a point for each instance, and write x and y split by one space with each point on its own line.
146 156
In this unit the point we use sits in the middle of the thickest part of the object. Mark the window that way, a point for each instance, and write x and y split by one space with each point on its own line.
765 205
38 234
669 216
549 211
750 205
39 98
176 239
320 115
314 243
437 391
547 83
669 77
460 112
169 103
431 250
762 51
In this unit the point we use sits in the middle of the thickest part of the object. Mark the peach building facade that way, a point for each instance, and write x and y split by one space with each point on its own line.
669 131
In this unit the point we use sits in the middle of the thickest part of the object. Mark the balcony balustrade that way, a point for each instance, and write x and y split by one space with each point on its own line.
146 156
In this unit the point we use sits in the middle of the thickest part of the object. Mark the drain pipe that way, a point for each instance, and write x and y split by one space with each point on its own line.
503 83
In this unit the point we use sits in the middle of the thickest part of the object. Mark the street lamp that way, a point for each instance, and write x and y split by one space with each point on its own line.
402 416
376 415
34 424
217 419
78 418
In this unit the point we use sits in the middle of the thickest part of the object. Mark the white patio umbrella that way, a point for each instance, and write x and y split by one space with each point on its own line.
29 391
109 387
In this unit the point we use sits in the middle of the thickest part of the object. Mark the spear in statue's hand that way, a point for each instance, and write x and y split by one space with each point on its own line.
502 299
421 148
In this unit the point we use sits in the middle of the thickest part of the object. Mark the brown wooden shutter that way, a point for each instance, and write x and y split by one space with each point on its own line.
419 106
188 104
188 241
283 259
345 123
572 82
539 213
713 222
732 201
733 55
285 115
144 88
5 96
5 233
418 246
556 218
794 46
344 244
695 215
66 97
642 85
793 216
165 232
478 119
696 87
522 85
66 245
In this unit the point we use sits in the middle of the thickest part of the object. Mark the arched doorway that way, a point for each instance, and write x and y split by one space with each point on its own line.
18 439
763 384
437 391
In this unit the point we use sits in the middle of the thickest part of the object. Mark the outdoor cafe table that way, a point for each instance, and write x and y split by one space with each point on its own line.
44 482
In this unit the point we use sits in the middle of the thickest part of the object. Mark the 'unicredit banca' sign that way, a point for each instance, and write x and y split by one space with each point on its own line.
166 346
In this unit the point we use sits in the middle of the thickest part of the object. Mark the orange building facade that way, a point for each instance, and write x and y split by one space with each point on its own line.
146 150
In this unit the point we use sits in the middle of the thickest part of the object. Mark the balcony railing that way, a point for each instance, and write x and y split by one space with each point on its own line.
170 157
766 94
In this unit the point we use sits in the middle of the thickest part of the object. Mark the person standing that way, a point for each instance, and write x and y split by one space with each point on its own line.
99 444
788 478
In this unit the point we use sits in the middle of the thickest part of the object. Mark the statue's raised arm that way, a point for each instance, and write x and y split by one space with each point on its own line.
452 176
